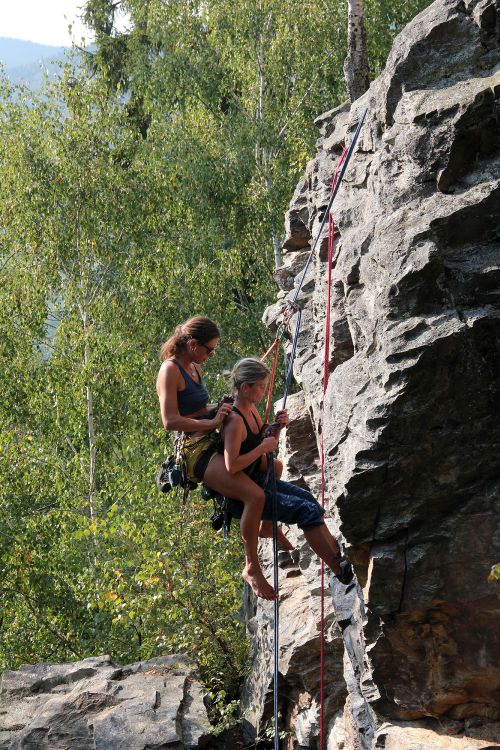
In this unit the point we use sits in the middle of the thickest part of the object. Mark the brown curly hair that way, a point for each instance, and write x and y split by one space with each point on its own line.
199 328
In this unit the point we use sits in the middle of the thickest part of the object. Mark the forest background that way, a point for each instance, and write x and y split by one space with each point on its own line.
147 183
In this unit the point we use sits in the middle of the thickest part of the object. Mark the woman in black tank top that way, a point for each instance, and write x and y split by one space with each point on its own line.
241 443
252 440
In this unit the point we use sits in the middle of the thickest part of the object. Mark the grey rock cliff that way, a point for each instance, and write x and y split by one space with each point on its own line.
412 428
96 705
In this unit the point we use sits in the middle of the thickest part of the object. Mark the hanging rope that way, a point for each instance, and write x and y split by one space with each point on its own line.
272 489
292 307
270 386
326 373
289 373
271 476
330 202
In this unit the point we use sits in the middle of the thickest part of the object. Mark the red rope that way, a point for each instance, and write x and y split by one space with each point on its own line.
326 373
266 355
270 387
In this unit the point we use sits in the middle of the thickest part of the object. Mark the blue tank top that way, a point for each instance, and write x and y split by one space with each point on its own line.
194 396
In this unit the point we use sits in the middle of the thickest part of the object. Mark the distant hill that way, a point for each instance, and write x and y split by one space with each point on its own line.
26 62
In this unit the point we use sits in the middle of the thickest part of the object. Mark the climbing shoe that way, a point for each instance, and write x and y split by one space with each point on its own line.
346 572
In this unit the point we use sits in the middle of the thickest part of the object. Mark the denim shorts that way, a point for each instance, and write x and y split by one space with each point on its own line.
294 505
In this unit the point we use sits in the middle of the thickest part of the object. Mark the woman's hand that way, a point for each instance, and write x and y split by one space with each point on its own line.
269 445
282 417
222 413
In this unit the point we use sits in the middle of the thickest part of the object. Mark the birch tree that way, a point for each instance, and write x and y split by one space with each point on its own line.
356 69
92 558
255 74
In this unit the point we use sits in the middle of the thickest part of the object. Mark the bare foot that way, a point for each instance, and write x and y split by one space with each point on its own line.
266 532
255 579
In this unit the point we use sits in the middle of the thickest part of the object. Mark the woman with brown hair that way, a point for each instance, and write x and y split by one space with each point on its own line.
184 408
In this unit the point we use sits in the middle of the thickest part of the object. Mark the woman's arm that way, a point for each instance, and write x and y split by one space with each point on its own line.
167 388
233 437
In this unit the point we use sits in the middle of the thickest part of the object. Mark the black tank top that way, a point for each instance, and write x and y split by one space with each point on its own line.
252 440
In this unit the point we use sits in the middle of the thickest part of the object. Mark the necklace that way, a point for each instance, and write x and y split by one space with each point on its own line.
194 371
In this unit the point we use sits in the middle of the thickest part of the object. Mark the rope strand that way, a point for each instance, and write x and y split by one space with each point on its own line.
271 477
330 202
326 373
272 481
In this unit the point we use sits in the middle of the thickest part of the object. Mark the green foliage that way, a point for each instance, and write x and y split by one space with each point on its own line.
92 558
130 199
494 574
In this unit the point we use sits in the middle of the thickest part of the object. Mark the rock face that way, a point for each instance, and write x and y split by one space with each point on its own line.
96 705
411 428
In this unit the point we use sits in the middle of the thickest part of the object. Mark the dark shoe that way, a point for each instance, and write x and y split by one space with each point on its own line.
346 572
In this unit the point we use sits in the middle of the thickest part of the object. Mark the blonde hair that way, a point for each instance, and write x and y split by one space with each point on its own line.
199 328
249 370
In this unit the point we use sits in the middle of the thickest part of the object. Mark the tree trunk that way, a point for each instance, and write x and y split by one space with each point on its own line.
356 70
264 155
83 307
90 421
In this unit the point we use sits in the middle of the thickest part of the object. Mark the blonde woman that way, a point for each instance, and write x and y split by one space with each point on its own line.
243 453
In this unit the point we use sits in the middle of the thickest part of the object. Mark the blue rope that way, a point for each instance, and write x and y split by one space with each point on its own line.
328 208
272 483
291 302
292 358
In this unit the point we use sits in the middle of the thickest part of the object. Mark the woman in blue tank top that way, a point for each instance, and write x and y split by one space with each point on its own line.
184 408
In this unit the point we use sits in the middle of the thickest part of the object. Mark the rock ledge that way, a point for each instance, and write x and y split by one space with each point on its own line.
94 704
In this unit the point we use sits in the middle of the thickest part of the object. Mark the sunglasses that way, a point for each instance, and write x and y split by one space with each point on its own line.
210 350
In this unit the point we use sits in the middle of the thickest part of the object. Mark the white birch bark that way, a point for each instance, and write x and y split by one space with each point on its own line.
356 70
263 153
90 418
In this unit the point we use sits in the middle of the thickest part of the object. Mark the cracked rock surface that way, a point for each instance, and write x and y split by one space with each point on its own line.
94 704
412 410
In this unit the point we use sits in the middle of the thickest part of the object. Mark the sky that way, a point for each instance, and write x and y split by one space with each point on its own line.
42 21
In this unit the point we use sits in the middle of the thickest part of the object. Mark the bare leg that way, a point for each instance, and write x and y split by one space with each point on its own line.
325 546
252 496
278 467
266 532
